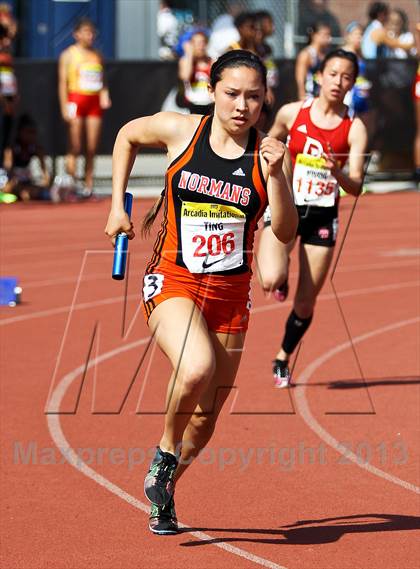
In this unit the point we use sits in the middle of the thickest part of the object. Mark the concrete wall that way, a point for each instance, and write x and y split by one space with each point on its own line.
135 29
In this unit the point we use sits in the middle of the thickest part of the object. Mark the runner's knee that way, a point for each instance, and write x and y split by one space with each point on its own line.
272 280
195 376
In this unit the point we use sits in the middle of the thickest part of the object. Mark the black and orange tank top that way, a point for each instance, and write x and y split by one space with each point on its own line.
211 209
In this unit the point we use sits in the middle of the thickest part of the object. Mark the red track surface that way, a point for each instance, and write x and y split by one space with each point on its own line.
288 506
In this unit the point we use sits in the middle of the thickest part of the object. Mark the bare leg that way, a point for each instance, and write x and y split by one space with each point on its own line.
228 352
272 260
314 263
93 132
181 332
75 131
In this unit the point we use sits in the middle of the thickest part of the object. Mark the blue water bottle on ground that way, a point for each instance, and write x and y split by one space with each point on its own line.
121 244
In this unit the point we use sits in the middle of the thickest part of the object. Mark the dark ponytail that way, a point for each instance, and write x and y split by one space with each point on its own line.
151 215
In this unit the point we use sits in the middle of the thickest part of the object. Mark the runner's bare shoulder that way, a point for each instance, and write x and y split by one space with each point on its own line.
287 113
284 120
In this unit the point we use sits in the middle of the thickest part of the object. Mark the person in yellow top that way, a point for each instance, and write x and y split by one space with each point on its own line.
83 97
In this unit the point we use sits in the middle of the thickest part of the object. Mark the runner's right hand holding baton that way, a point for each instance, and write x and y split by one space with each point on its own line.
121 244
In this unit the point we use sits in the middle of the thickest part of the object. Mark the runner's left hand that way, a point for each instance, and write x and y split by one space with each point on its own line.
330 161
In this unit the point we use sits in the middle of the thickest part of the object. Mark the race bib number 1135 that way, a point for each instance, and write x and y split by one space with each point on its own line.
313 183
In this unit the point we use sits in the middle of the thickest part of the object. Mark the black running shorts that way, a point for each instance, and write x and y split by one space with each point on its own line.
317 225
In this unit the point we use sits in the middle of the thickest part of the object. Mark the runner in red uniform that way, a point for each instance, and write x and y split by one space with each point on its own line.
83 97
194 72
196 287
321 136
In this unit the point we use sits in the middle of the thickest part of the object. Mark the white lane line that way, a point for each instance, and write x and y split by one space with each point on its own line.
402 253
103 276
378 266
74 460
63 261
91 277
303 408
53 249
344 294
264 308
66 309
15 249
64 446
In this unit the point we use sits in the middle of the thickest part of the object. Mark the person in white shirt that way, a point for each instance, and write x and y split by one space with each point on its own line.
167 29
376 38
397 28
223 31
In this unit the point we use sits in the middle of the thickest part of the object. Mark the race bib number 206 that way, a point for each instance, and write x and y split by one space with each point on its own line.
212 237
313 183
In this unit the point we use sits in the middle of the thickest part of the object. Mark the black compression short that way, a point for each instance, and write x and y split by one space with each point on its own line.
317 225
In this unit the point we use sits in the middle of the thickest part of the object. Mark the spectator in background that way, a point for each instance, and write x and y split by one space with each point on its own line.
358 98
376 38
226 20
194 72
309 61
25 147
246 25
251 38
397 28
83 98
224 31
186 37
313 12
353 39
7 20
8 83
167 29
265 28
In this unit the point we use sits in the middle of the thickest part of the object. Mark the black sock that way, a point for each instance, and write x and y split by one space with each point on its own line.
282 364
295 329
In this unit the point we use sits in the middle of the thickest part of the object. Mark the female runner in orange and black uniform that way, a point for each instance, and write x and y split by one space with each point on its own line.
196 287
